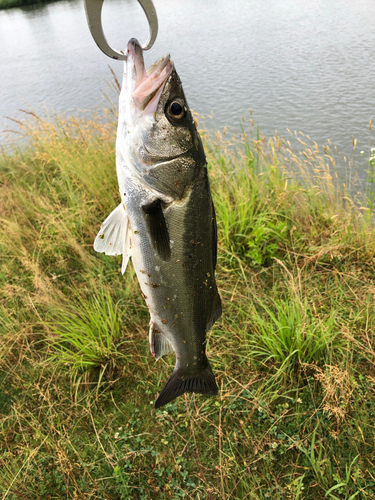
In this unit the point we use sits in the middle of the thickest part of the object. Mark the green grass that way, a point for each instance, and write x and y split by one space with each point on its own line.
293 351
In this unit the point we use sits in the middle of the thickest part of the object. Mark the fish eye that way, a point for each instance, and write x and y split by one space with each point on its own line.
176 110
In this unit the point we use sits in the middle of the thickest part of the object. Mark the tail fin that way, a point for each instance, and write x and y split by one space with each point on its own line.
203 383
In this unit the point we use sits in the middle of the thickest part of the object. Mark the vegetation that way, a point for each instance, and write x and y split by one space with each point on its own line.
7 4
293 352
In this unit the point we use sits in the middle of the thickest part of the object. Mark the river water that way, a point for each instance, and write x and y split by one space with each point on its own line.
306 65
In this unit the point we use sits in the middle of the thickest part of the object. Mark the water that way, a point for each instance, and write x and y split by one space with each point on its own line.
306 65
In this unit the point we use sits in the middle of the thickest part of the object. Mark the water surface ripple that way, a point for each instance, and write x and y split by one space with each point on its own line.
303 64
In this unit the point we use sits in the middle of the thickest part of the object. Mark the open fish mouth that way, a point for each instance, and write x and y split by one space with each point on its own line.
146 86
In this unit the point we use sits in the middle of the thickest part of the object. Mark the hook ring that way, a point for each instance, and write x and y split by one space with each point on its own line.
93 10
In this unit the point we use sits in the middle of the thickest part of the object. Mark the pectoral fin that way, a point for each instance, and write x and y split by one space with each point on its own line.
157 228
114 236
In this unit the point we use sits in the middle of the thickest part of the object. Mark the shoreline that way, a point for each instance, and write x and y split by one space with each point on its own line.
10 4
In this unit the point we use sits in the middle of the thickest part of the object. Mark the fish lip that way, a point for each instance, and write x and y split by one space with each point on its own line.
159 65
133 46
135 62
148 85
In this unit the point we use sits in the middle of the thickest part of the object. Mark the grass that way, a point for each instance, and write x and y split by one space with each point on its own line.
8 4
293 351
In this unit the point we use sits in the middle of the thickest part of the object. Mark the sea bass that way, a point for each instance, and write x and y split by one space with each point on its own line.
166 219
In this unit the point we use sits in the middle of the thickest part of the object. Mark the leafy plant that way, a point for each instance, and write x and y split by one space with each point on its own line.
344 485
88 336
288 333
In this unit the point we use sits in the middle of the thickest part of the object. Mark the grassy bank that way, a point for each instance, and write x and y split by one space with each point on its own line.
293 351
8 4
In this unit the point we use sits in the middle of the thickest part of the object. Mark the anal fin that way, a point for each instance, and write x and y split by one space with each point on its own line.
159 345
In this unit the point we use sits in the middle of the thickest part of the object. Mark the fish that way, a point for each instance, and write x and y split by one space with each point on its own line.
166 220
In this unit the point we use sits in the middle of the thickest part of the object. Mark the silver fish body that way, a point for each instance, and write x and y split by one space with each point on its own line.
166 220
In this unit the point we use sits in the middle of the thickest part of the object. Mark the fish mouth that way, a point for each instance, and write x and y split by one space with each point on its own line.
147 85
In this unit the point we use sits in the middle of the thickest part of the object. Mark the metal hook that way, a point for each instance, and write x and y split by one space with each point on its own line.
93 10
